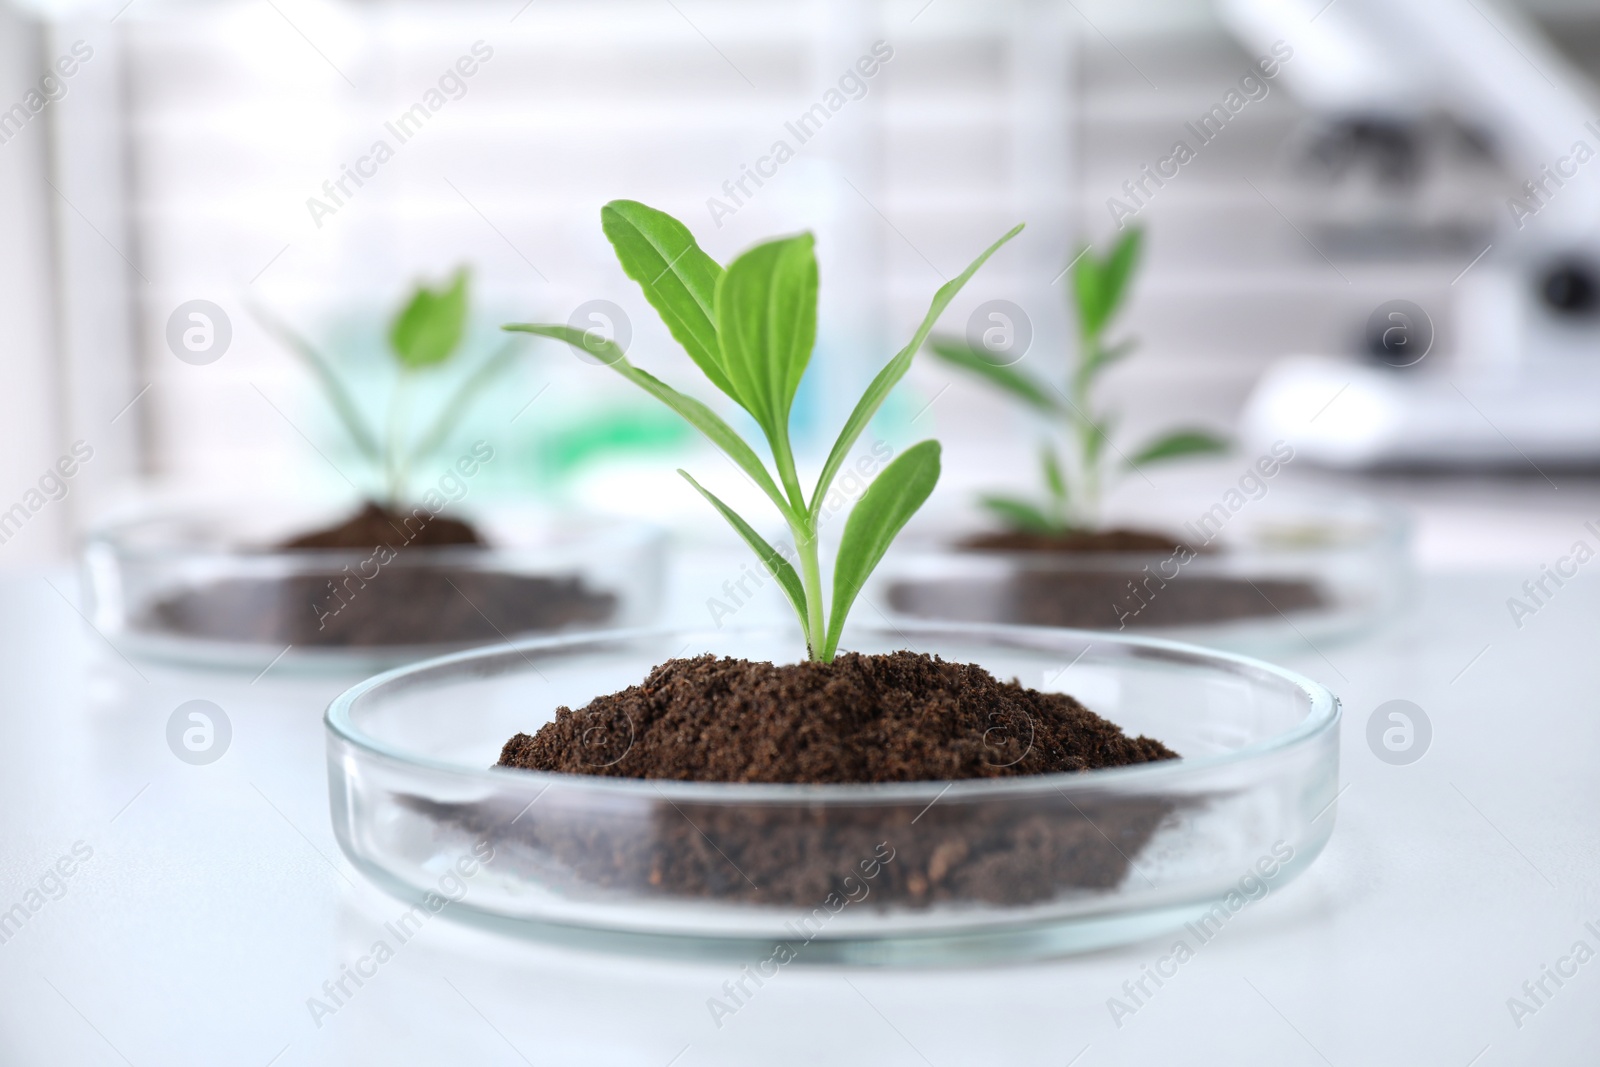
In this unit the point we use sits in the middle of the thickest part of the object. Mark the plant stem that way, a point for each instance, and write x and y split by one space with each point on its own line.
805 542
393 448
1060 512
1091 496
1086 454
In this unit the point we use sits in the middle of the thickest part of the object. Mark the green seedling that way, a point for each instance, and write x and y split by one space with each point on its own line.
424 335
1075 478
750 329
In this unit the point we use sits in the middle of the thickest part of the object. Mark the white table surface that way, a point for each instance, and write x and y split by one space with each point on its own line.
216 900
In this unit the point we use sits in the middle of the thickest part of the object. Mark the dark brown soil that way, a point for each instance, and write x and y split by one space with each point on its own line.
375 525
1118 540
1102 600
896 718
904 717
391 591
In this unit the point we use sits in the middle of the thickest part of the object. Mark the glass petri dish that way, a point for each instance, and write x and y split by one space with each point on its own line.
1285 570
882 873
208 588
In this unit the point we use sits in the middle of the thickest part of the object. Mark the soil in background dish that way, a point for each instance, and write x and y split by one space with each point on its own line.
389 594
1117 540
903 717
1135 597
1102 600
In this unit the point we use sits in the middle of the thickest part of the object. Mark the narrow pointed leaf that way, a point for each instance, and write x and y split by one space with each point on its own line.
343 406
1118 269
693 411
766 305
680 281
1013 381
1054 480
1088 293
883 510
891 374
1019 514
429 328
1100 358
770 557
1094 436
1099 285
454 408
1178 443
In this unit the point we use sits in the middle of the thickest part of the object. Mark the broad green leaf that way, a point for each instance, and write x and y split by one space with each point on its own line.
1053 478
1019 514
430 326
1010 379
693 411
770 557
679 280
766 305
883 510
1178 443
891 374
343 406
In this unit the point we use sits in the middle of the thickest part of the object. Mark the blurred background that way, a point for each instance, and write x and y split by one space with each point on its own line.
228 152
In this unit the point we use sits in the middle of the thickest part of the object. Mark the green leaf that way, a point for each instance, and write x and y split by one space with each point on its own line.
1086 293
1013 381
1119 267
1099 285
1019 514
767 324
1053 478
891 374
679 280
770 557
1178 443
883 510
693 411
431 324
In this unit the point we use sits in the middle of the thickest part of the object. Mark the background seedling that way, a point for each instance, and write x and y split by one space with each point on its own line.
1076 476
750 329
424 335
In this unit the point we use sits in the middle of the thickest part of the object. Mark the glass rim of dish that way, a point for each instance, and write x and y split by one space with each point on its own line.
1323 714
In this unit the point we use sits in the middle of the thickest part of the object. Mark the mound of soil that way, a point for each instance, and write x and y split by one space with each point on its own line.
903 717
388 593
376 525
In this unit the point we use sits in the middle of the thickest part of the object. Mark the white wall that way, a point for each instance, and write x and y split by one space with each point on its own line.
29 399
